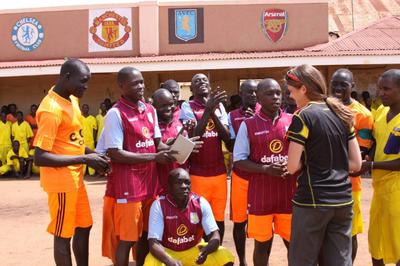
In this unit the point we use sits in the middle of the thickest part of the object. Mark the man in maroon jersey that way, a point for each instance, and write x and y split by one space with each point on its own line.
239 181
131 137
177 221
261 149
173 87
170 128
207 168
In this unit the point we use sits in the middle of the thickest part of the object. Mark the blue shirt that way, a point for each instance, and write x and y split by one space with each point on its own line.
241 150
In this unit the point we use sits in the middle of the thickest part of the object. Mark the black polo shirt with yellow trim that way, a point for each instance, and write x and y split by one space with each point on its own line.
324 180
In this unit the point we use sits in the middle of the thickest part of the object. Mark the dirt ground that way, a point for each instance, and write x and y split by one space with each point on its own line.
24 218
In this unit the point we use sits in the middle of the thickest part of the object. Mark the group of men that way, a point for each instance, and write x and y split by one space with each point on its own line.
154 204
16 137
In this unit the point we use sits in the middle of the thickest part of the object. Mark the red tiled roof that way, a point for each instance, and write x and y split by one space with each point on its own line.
383 35
341 13
196 57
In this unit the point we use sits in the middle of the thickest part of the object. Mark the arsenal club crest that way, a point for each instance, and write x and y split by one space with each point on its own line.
109 30
274 23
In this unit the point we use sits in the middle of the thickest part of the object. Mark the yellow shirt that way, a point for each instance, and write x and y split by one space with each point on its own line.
21 132
100 124
60 132
5 133
387 137
89 124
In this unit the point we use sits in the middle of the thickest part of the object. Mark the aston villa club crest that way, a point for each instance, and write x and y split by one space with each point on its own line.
274 23
109 30
186 25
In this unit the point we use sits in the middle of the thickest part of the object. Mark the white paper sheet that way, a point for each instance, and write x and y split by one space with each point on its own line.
184 147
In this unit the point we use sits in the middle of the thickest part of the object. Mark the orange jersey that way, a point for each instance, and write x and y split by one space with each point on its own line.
11 118
363 123
60 132
32 122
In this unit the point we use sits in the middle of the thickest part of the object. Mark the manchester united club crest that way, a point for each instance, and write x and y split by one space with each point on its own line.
274 23
110 30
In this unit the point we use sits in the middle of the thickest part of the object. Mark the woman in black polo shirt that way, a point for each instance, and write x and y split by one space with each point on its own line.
324 149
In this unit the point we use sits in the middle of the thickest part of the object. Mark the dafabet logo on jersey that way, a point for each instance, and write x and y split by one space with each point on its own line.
182 230
276 146
146 132
210 125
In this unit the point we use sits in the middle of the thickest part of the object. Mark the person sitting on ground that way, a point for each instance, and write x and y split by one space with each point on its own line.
176 225
16 159
31 168
22 132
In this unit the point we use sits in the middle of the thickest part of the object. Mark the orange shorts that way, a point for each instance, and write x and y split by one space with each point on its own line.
261 227
146 205
214 190
121 221
239 188
68 210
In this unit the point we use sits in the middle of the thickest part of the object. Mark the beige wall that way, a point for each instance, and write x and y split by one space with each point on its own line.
27 90
65 35
235 28
227 28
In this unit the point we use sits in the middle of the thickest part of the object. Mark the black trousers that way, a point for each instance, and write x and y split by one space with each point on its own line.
321 230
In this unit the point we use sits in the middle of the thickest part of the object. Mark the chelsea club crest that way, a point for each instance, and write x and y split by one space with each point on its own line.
27 34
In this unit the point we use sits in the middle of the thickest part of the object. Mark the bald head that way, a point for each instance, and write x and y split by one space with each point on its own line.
73 67
200 86
176 173
161 95
247 84
344 73
393 75
173 87
74 78
126 74
164 104
170 83
247 93
342 84
267 83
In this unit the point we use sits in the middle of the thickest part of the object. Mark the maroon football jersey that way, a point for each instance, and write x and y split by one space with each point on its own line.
210 159
168 132
268 144
182 229
237 117
134 182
